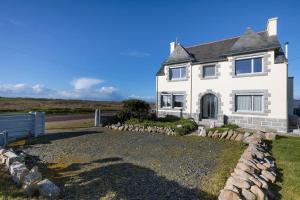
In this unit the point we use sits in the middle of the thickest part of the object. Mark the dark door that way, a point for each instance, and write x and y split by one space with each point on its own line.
209 106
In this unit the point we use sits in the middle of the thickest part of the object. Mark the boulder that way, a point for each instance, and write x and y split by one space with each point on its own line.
224 134
18 171
264 184
246 168
210 133
238 182
230 133
258 192
203 133
10 157
261 166
30 181
244 175
228 194
215 134
48 189
233 135
269 175
248 195
2 150
232 188
270 136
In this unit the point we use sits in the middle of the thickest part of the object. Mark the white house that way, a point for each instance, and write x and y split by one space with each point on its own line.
241 80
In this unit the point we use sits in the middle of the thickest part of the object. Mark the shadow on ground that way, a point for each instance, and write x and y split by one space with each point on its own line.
111 178
46 139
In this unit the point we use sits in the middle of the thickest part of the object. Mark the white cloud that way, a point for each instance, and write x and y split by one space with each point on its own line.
85 83
40 91
135 53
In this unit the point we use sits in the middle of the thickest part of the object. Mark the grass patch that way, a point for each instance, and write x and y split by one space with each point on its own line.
286 151
70 124
8 189
181 126
226 162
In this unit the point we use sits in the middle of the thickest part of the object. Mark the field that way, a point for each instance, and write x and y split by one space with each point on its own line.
55 106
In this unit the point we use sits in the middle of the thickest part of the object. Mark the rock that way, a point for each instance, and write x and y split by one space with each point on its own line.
238 182
179 126
249 162
233 135
248 195
255 181
228 194
31 180
18 171
247 134
2 151
210 133
230 133
239 137
232 188
258 192
264 184
203 133
10 157
261 166
215 134
245 168
242 174
48 189
224 134
268 175
270 136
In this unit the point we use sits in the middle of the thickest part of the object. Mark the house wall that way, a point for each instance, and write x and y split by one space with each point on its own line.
272 83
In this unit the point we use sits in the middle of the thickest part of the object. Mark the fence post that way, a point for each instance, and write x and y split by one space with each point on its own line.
97 117
38 123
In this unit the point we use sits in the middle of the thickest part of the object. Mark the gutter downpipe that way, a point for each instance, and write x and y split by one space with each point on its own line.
156 103
191 96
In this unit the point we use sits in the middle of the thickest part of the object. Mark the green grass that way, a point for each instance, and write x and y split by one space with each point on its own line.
226 162
187 125
286 151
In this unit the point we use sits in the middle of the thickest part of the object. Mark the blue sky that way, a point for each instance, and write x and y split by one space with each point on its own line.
110 50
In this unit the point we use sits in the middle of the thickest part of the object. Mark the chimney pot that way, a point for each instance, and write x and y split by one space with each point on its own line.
272 26
172 47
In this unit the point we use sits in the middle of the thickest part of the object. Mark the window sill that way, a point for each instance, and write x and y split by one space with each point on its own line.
170 108
249 113
249 74
209 77
176 80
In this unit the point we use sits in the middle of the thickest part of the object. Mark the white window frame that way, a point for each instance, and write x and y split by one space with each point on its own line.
252 65
252 103
181 78
172 99
203 74
161 100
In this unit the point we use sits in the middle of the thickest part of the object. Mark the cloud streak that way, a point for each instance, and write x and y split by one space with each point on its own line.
83 88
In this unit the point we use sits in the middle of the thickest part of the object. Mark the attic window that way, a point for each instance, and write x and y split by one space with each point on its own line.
177 73
248 66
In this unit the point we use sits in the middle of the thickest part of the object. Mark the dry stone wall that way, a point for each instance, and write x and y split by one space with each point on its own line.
255 170
30 180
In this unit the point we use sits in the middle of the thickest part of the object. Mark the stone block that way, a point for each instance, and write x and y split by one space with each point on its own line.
48 189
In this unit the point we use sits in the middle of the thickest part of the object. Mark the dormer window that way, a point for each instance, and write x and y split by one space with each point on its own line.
177 73
248 66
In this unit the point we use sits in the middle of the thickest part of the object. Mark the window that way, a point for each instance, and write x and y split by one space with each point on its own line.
178 101
252 103
209 71
247 66
177 73
166 101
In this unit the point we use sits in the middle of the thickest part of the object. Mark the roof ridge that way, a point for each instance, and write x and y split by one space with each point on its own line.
218 41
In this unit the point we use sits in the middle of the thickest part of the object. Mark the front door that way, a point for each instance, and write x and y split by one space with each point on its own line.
209 106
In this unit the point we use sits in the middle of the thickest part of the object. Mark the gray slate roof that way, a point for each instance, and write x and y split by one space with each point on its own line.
249 42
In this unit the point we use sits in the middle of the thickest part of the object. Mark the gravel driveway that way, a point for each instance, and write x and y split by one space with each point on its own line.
100 163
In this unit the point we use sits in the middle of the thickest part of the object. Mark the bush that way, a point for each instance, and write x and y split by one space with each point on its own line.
133 108
186 125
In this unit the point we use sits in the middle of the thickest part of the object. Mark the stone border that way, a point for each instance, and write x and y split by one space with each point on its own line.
30 180
255 170
140 128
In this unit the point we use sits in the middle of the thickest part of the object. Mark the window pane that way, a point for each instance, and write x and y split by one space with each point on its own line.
243 103
174 73
257 64
177 73
257 103
243 66
165 101
183 72
178 100
208 71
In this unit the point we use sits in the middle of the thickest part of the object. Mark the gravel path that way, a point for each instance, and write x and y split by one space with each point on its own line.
95 163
